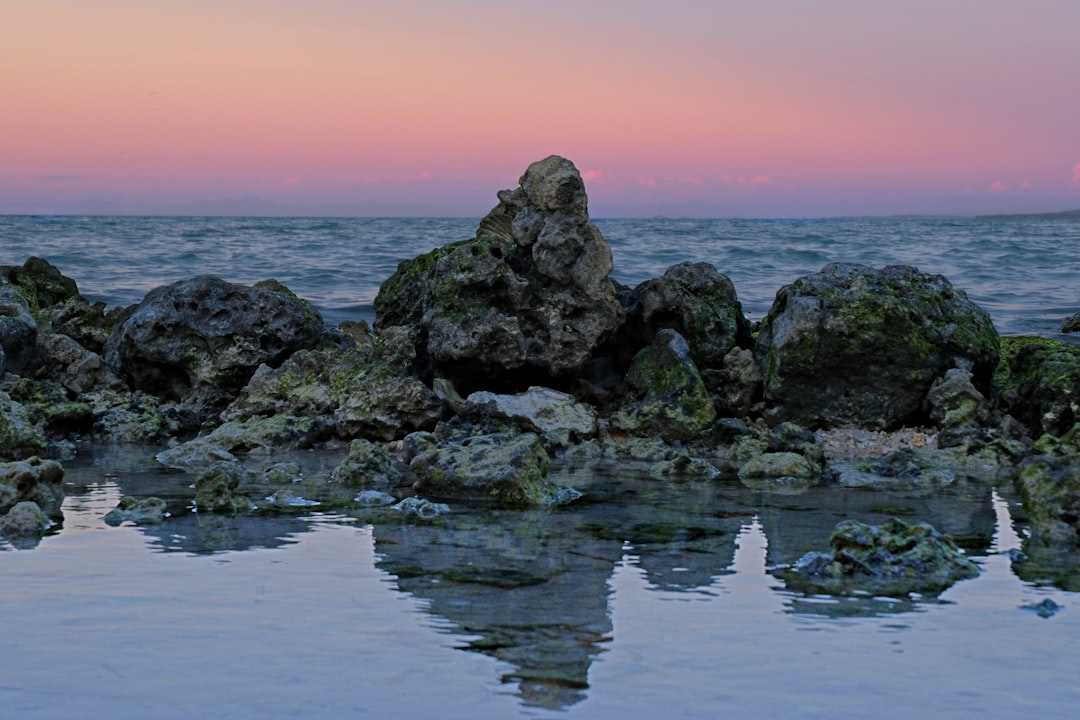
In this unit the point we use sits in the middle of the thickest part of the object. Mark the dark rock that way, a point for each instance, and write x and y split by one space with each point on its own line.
41 284
666 394
1038 383
959 409
699 303
857 346
18 332
892 559
1049 484
553 415
1071 324
200 340
256 436
74 367
528 299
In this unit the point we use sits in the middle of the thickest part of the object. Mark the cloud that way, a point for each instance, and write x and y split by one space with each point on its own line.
596 176
1076 174
646 181
997 187
291 181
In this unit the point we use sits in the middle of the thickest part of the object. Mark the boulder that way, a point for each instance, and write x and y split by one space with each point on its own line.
217 489
891 559
958 409
74 367
696 301
148 511
256 436
861 347
24 521
666 395
42 284
356 392
527 299
1038 383
1049 484
18 332
200 340
1071 324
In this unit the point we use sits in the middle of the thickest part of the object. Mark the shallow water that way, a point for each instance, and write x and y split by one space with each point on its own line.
644 598
1023 272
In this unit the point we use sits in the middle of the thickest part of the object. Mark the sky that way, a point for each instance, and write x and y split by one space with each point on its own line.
700 108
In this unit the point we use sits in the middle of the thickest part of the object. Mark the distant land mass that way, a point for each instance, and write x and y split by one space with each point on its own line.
1066 215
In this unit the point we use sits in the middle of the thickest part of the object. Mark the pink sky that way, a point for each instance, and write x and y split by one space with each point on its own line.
772 108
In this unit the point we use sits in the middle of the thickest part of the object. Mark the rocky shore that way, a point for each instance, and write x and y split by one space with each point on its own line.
498 359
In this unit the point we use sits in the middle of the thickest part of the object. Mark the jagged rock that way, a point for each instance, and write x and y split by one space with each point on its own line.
357 392
1071 324
508 469
698 302
41 284
857 346
904 469
36 480
200 340
667 396
958 408
71 365
128 417
49 409
554 415
148 511
18 332
892 559
527 299
782 471
1038 383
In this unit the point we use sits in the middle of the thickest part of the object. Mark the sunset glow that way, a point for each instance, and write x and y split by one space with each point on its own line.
705 108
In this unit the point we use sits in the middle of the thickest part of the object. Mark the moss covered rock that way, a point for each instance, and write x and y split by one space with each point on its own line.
1038 383
666 396
527 299
894 559
858 346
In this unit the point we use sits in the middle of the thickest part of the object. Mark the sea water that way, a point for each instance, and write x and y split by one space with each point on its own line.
641 599
1023 272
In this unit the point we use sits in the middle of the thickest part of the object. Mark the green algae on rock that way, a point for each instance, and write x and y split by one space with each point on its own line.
893 559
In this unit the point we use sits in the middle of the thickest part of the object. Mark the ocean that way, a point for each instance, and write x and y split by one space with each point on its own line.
644 598
1023 272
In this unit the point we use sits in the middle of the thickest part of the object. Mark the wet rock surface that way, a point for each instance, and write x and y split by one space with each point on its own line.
861 347
894 558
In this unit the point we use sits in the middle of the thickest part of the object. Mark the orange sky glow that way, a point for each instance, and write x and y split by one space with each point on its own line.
777 108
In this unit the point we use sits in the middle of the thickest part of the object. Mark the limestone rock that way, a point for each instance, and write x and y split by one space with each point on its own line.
24 521
857 346
148 511
528 299
552 414
1038 383
18 332
20 438
35 480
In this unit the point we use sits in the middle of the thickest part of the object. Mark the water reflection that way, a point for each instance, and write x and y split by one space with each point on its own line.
551 594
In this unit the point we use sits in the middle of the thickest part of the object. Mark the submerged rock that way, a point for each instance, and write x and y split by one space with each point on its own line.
893 559
259 436
369 465
857 346
217 489
148 511
527 299
552 414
